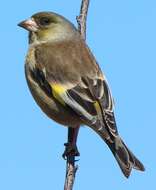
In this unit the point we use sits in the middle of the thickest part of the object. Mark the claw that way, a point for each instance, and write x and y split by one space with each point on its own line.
70 150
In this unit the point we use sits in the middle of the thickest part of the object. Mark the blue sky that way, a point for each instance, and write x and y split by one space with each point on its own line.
122 36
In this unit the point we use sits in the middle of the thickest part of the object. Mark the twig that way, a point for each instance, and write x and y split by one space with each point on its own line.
82 18
70 173
70 165
70 152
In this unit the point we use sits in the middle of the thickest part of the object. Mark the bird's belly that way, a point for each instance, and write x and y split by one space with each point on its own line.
51 107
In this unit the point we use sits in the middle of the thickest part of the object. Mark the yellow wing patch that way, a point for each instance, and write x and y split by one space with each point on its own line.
57 91
97 107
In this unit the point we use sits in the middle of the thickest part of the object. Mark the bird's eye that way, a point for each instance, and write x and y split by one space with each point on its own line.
44 21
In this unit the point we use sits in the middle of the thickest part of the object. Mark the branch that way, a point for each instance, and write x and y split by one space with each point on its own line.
82 18
69 154
70 175
70 165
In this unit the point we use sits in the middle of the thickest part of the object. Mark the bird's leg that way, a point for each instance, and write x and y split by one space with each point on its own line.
71 147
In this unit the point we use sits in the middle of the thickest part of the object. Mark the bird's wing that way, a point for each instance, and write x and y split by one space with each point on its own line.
70 73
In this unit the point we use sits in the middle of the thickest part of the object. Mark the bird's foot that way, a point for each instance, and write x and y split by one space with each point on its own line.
70 150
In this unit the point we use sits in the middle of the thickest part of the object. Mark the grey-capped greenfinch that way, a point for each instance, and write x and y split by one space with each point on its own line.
68 84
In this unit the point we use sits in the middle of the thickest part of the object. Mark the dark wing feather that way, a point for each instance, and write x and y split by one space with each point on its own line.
39 77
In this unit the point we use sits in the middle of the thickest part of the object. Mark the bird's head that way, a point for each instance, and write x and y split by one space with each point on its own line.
48 26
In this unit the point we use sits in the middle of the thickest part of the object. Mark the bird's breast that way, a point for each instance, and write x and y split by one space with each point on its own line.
30 58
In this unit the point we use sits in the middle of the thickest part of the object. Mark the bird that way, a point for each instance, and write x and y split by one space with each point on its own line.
68 85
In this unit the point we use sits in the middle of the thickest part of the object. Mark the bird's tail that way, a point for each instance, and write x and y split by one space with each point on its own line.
124 156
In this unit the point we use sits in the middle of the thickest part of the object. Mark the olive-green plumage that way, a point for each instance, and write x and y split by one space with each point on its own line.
68 85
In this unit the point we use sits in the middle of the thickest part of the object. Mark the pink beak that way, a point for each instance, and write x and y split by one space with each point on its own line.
29 25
